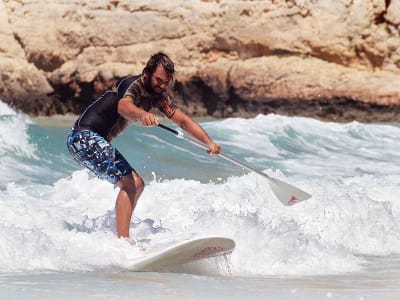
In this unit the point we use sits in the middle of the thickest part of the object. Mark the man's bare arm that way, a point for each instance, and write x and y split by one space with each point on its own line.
130 111
194 128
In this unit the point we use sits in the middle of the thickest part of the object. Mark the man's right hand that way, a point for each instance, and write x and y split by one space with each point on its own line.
130 111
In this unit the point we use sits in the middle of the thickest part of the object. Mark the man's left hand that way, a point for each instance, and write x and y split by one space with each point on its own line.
214 149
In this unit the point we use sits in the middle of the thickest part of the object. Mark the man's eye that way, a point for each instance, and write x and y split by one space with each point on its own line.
160 81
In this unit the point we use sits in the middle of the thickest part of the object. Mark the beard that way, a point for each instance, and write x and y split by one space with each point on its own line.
149 87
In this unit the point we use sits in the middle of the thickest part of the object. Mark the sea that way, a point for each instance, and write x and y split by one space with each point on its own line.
57 221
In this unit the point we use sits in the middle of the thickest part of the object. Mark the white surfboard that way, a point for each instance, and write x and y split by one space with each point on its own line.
183 252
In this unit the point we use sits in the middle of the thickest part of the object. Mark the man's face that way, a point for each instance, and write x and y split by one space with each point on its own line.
158 82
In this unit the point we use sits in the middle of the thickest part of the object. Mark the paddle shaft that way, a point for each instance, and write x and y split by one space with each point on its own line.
202 145
286 193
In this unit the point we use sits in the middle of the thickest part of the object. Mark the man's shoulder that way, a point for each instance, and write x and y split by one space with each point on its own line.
125 83
129 80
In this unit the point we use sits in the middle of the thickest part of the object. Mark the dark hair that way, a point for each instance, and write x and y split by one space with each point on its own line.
160 58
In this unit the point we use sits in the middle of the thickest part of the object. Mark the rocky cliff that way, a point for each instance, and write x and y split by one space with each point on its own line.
330 59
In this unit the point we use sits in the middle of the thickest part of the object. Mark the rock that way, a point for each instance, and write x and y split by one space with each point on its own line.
335 60
393 13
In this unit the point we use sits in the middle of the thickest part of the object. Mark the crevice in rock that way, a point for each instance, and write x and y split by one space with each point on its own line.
337 109
42 61
380 18
197 91
253 50
45 62
19 40
76 96
198 100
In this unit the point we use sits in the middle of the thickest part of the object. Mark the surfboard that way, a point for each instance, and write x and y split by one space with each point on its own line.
183 252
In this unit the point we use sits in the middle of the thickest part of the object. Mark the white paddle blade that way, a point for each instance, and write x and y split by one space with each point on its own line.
286 193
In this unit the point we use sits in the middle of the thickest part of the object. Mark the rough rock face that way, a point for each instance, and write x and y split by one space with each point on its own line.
335 60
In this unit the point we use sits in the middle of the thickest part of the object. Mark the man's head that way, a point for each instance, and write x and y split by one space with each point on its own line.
158 73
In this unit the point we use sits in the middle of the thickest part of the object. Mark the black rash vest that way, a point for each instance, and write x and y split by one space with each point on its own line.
102 115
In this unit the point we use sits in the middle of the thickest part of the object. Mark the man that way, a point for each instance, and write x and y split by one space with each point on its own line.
131 99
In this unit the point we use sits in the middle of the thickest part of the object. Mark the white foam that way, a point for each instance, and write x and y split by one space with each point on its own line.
5 109
353 214
71 225
43 228
294 142
325 235
14 137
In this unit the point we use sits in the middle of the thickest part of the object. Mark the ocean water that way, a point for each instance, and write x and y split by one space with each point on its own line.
57 220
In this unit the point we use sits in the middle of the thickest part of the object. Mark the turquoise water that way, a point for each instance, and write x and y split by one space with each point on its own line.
57 218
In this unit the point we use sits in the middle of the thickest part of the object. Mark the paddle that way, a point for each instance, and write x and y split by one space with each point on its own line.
287 194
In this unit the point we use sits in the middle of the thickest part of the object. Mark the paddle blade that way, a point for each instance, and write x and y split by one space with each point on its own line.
286 193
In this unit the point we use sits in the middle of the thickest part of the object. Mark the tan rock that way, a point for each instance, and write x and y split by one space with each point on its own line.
393 12
231 55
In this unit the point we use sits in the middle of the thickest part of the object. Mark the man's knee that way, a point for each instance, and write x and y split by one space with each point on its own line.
132 184
139 183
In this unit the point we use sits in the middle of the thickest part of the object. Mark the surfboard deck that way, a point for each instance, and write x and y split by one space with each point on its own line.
183 252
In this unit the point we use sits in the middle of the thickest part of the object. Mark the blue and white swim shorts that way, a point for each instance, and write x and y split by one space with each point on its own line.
94 152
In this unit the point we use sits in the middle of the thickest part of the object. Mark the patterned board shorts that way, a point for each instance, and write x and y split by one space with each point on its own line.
94 152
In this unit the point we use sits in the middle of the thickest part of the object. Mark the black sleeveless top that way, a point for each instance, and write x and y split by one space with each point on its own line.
102 115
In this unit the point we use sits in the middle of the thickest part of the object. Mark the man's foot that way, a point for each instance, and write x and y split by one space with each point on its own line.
132 241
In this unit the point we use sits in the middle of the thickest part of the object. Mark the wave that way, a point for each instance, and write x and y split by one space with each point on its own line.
56 227
14 138
56 216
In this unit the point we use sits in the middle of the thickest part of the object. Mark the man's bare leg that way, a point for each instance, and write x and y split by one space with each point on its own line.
131 187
